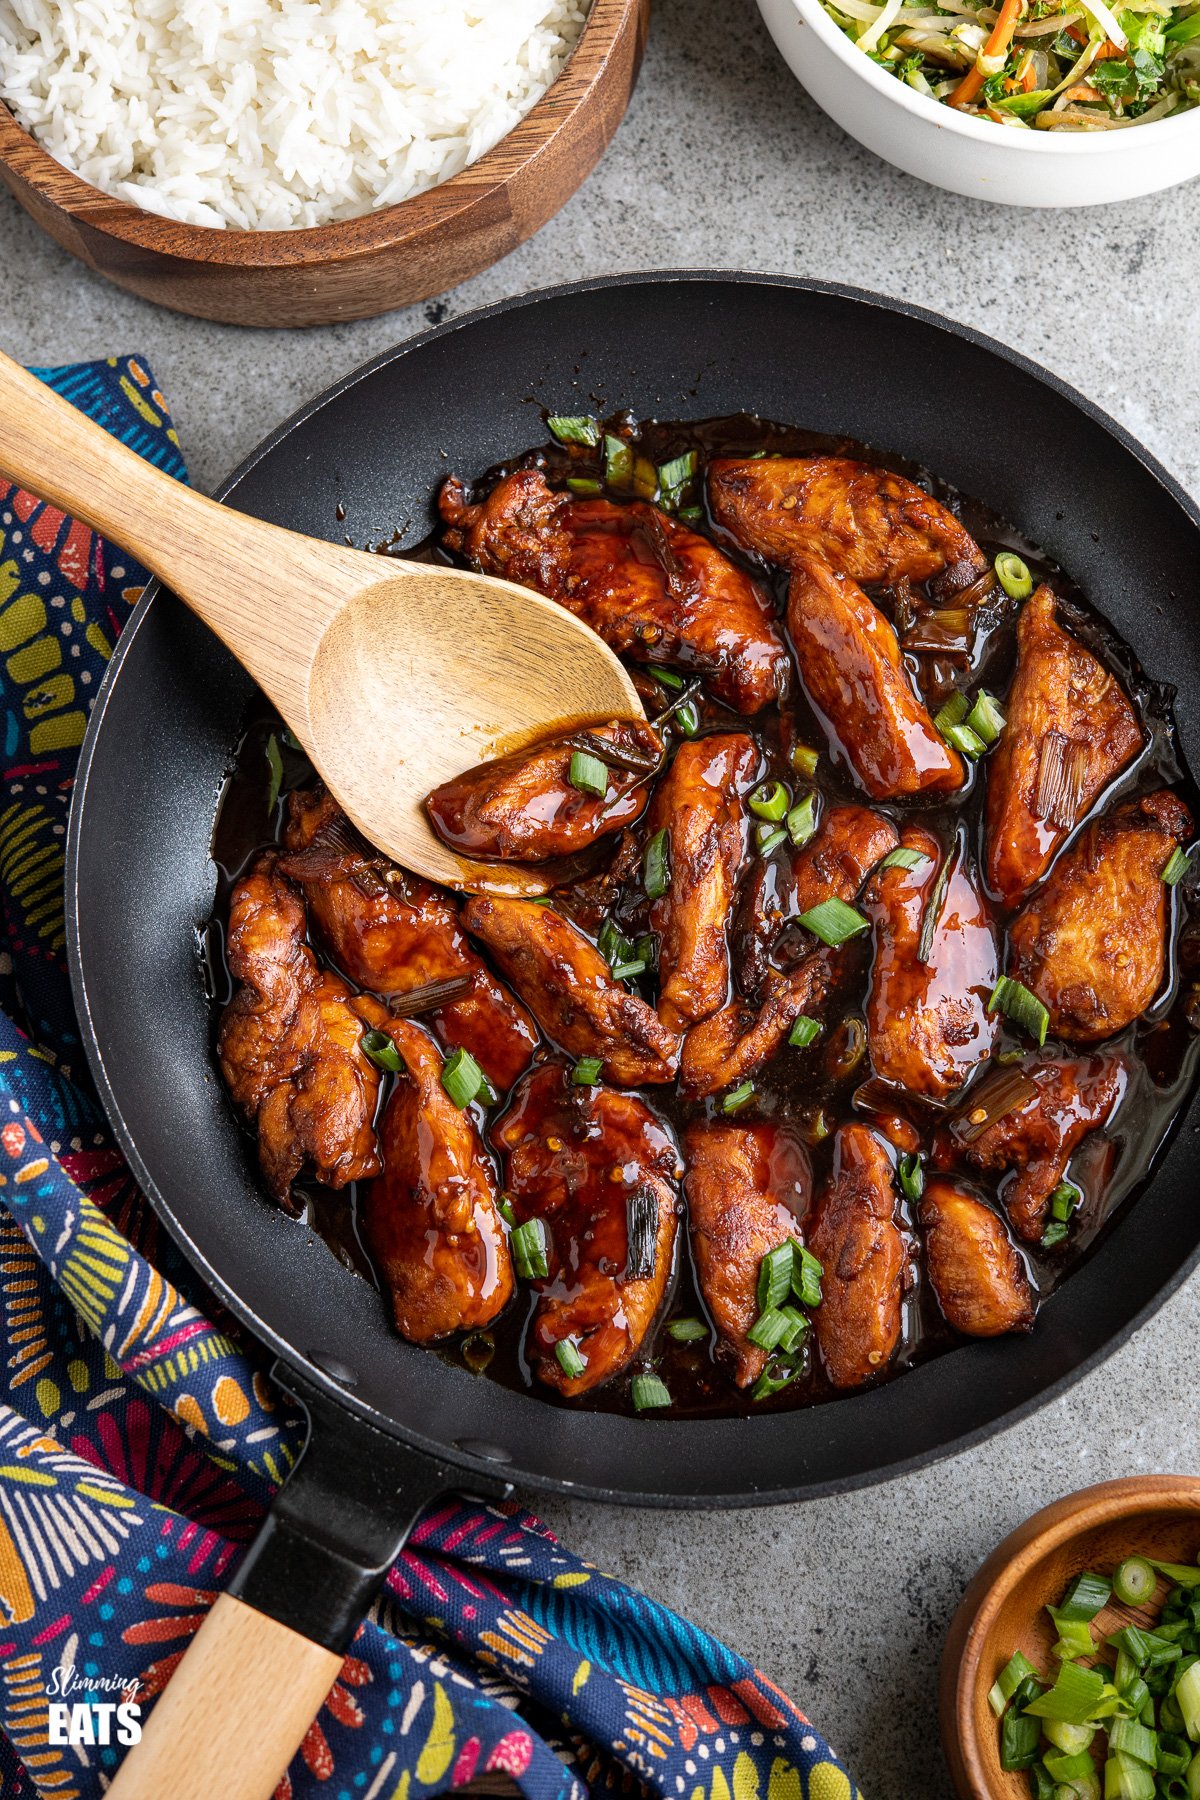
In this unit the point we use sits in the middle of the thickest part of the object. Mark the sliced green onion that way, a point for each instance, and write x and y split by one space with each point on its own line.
1172 1755
1087 1595
933 911
769 801
530 1246
656 865
1014 1672
1131 1738
487 1095
1041 1785
1182 1574
1074 1697
768 838
1134 1581
1145 1648
1064 1767
569 1359
775 1377
687 1331
953 712
804 759
775 1276
625 971
1013 575
1055 1233
504 1207
911 1171
693 514
648 1391
966 740
674 476
1020 1740
275 765
687 717
797 1326
768 1330
807 1271
985 718
1014 1000
804 1032
586 1072
667 677
737 1097
1063 1201
1187 1699
618 461
903 857
588 773
1125 1779
1074 1636
578 430
802 820
382 1052
462 1077
1177 867
833 921
586 486
1070 1739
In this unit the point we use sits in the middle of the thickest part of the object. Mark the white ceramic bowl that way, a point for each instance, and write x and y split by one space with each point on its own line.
973 156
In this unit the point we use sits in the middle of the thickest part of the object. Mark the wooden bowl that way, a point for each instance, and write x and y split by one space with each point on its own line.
359 267
1003 1609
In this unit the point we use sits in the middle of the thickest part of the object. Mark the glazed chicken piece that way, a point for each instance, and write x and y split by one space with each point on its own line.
391 932
747 1189
653 589
1070 731
1092 942
430 1219
862 1250
866 522
928 1023
601 1171
731 1044
699 805
524 806
1064 1101
855 679
835 862
569 988
976 1273
289 1044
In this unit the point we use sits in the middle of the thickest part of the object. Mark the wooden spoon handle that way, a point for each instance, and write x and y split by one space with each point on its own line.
233 1714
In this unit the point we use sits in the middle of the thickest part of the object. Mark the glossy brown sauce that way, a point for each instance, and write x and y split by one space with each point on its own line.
811 1090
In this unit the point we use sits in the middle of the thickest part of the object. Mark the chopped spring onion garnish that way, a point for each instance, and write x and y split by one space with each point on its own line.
462 1077
1020 1738
1087 1595
1125 1779
687 718
804 1032
769 1329
1013 575
903 857
797 1328
953 712
1177 867
569 1359
768 838
580 430
833 921
382 1052
625 971
647 1392
1064 1200
667 677
770 801
530 1246
911 1171
588 773
1074 1639
275 765
738 1097
968 742
687 1331
1054 1233
775 1276
618 461
807 1271
933 911
693 514
1014 1672
656 865
802 820
1000 1094
985 718
804 760
586 1072
674 476
1014 1000
641 1234
504 1207
586 486
774 1378
1073 1698
1134 1582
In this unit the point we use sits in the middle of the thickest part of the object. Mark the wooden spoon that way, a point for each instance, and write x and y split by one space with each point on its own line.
393 675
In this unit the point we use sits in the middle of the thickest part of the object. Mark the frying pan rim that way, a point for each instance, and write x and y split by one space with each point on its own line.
450 1452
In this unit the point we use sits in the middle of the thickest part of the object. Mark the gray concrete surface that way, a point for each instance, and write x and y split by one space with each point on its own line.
724 162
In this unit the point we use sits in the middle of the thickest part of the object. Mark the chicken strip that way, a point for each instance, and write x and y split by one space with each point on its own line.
699 806
835 862
289 1044
856 682
1065 1101
1092 942
747 1189
525 805
977 1274
431 1220
391 932
731 1044
862 1251
652 588
568 986
865 522
1070 731
601 1171
928 1023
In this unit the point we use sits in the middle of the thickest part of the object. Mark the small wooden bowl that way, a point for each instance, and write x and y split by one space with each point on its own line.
1003 1609
364 266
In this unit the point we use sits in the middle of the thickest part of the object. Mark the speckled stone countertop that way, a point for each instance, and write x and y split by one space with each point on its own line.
725 163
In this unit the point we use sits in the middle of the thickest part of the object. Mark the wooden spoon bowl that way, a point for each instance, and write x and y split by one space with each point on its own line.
1004 1608
358 267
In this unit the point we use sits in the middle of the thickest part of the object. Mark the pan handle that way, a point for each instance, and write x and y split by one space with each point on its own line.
237 1708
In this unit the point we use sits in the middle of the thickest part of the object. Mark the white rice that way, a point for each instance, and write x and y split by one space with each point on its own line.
268 115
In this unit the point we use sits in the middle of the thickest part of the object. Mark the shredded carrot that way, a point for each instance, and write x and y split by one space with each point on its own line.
1078 33
1108 51
1083 90
1024 81
1001 37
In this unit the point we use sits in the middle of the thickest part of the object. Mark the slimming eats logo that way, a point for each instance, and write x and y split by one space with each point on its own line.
87 1720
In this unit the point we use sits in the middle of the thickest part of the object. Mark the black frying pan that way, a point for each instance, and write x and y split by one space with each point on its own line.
392 1424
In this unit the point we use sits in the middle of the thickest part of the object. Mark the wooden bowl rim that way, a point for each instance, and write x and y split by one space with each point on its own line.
1046 1530
568 94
